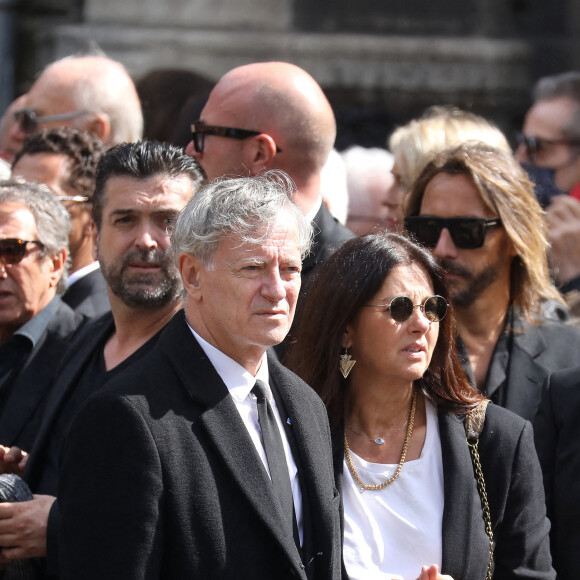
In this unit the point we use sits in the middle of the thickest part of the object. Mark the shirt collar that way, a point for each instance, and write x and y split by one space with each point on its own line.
237 379
81 273
36 326
314 209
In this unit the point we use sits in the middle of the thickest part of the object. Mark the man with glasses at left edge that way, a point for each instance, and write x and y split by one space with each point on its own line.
475 208
89 92
35 325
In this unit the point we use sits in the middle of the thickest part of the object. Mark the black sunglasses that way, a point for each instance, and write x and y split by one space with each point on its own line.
466 233
401 308
199 130
534 145
29 121
13 250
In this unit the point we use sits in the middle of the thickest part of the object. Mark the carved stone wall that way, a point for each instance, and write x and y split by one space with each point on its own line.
379 62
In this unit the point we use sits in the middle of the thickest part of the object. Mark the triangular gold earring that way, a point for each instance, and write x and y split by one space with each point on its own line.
346 363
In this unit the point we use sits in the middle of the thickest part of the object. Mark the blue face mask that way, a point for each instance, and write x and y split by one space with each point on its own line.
544 182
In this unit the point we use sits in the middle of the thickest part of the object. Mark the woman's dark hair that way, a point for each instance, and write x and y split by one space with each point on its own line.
347 281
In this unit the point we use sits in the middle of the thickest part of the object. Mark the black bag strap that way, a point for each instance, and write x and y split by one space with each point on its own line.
473 427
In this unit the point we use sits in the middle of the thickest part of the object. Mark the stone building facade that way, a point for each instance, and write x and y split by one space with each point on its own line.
381 62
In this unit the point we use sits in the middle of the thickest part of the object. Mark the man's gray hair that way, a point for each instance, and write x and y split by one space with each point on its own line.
246 207
103 85
50 216
563 85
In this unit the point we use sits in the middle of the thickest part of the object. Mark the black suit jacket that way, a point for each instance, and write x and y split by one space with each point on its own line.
329 235
540 350
557 435
160 478
24 407
515 494
88 295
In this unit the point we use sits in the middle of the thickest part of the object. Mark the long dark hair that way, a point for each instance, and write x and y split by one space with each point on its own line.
342 286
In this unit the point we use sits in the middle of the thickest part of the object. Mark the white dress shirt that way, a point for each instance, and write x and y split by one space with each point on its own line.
81 273
240 382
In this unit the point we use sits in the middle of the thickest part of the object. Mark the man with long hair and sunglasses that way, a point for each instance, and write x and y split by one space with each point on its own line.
549 147
35 325
66 160
475 208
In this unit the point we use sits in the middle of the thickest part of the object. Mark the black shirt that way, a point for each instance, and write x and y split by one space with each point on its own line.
93 377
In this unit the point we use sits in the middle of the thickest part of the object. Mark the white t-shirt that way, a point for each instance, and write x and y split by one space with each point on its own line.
391 533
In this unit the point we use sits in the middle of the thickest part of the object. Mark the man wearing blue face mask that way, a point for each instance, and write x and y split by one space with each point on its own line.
549 146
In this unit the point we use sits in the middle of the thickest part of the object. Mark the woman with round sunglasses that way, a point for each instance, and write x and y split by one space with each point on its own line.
376 340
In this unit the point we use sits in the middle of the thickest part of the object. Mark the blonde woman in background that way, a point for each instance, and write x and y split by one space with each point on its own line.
415 144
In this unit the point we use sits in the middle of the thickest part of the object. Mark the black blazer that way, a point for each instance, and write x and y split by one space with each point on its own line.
160 478
514 489
24 408
537 352
557 435
88 295
329 235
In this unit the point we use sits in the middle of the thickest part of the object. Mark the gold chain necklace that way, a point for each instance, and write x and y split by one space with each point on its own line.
376 487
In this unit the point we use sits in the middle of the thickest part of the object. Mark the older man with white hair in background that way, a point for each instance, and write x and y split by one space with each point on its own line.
373 202
92 92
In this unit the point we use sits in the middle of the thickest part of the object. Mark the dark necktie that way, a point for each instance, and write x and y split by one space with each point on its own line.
275 455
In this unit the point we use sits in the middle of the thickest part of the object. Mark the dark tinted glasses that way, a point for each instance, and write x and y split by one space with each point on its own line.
29 122
466 233
13 250
535 145
200 130
401 308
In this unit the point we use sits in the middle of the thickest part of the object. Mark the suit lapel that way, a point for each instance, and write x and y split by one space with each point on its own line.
225 428
322 223
313 466
524 388
234 446
463 526
28 393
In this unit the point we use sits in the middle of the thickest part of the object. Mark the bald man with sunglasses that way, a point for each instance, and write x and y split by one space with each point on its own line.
474 207
273 115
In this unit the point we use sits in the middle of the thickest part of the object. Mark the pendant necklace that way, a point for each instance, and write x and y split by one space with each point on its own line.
377 440
376 487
